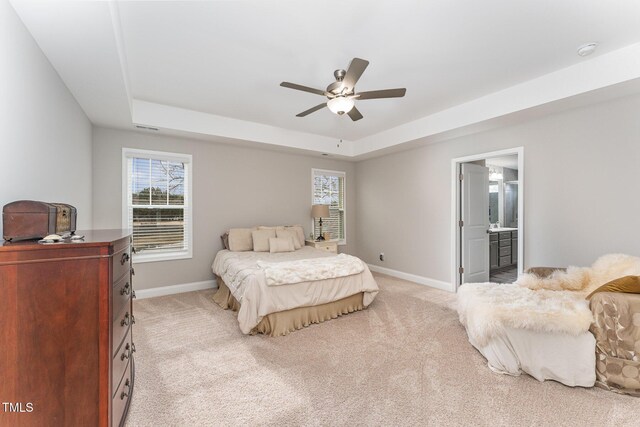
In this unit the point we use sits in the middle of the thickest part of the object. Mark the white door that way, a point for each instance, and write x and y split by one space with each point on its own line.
475 223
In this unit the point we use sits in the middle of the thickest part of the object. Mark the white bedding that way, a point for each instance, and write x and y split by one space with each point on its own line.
304 270
247 283
568 359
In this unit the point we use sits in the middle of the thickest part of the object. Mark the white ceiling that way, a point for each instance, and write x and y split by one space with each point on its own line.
214 68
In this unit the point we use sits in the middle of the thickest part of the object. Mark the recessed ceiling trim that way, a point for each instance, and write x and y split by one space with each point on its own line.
602 71
180 119
119 42
86 44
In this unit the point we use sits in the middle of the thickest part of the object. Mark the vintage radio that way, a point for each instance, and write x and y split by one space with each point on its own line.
28 219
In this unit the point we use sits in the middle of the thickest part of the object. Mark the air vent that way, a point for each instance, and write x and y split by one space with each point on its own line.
146 128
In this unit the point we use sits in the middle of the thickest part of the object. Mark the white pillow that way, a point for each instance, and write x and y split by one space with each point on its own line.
261 239
300 230
281 244
240 239
289 232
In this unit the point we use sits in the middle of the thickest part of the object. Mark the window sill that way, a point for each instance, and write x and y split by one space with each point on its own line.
167 256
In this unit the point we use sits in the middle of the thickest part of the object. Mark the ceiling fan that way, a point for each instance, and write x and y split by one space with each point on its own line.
342 93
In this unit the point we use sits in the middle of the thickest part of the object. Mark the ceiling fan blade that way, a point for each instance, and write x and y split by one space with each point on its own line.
312 110
302 88
354 114
356 68
385 93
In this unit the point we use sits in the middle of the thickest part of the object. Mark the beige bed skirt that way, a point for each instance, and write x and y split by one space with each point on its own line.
283 322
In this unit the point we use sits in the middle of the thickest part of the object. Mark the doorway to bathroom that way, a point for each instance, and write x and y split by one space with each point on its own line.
487 217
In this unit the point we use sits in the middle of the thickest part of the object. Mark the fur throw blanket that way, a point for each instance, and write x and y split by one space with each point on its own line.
553 304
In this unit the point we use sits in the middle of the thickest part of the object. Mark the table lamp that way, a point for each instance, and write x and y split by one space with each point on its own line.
320 211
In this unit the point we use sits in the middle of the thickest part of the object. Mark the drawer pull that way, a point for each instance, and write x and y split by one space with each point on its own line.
133 348
123 394
125 320
133 294
125 258
133 319
126 353
126 290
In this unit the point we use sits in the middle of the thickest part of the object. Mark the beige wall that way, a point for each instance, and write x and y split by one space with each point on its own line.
232 187
45 138
582 181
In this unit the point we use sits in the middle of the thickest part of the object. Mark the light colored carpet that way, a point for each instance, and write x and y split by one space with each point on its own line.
404 361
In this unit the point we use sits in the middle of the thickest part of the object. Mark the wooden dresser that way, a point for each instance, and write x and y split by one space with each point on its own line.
66 349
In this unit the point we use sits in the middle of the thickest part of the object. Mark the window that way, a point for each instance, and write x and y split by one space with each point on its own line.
157 203
328 188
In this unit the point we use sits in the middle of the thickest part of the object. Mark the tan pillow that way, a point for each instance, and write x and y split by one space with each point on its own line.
626 284
240 239
299 231
281 244
261 239
289 233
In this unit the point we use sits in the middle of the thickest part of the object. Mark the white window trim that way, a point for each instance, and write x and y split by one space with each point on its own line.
160 155
343 175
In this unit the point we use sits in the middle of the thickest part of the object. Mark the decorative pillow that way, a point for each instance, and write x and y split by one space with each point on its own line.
281 244
289 233
225 240
240 239
299 231
626 284
261 239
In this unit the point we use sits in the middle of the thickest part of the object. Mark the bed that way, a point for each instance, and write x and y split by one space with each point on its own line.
246 285
578 326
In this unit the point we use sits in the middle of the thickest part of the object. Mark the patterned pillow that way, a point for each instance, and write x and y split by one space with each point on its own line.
225 240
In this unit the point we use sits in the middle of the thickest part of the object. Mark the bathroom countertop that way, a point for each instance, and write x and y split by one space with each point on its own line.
497 230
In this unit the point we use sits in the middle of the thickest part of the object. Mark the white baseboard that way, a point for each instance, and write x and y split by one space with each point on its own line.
438 284
175 289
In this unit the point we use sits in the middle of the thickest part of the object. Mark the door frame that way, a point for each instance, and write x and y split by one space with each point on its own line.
455 207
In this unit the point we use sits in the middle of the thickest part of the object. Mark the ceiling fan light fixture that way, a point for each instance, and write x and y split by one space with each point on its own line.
340 105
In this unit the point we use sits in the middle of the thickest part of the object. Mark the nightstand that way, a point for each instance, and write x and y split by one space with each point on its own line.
325 245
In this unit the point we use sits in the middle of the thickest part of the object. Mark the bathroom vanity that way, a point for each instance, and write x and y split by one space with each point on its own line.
503 247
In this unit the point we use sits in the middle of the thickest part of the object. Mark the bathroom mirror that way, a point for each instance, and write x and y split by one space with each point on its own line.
494 215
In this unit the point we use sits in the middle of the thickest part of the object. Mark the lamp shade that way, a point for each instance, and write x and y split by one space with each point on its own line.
320 211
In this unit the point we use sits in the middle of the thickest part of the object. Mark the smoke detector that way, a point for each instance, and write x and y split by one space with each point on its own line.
587 49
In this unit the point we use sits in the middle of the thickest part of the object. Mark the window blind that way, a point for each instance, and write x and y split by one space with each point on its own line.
158 205
329 189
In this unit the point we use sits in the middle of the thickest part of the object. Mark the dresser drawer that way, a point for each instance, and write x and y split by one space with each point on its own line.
505 251
505 260
121 263
506 242
121 396
121 296
505 235
121 361
493 237
120 328
329 248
